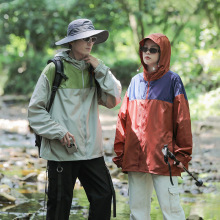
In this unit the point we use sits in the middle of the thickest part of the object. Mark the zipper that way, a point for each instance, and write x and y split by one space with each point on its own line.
83 78
148 89
84 118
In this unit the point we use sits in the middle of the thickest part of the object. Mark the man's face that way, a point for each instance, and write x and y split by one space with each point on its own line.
81 48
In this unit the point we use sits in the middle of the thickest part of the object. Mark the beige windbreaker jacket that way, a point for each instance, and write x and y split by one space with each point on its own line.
75 109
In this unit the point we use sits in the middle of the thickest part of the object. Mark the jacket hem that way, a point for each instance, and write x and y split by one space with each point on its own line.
75 159
151 172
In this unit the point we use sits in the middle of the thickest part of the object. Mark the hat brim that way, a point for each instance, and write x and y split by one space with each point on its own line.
102 36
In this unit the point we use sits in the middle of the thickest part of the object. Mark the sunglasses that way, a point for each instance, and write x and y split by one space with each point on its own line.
90 39
151 50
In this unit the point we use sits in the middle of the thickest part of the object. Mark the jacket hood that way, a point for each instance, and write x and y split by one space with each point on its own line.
164 61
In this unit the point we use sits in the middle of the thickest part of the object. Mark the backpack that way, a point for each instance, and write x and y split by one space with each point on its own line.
59 75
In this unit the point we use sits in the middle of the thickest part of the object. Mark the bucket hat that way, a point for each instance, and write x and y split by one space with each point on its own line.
83 28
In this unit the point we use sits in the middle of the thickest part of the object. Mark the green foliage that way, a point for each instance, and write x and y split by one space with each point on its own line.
205 105
23 66
124 70
29 28
24 73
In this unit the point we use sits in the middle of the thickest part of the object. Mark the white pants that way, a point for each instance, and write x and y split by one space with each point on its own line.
140 192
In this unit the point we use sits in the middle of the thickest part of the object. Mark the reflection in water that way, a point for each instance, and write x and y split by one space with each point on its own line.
207 204
79 209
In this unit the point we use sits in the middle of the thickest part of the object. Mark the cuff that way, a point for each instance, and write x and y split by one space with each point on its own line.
101 68
118 161
183 158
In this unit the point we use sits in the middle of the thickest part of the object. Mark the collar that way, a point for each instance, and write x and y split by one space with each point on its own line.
79 64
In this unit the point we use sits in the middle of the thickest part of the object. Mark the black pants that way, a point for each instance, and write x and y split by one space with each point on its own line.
94 177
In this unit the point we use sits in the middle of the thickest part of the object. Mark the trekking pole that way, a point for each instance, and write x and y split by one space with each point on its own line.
169 154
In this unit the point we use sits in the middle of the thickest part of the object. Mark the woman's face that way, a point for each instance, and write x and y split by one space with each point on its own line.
150 59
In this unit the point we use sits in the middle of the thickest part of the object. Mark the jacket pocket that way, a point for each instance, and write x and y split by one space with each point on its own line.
174 199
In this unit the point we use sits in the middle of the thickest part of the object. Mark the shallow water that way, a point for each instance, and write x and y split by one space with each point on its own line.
14 132
206 204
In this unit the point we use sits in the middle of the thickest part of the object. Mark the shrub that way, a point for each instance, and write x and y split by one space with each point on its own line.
124 70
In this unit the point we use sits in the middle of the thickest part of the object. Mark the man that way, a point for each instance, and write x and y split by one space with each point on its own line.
74 117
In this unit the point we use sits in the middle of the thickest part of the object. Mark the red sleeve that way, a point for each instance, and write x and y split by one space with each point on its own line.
120 133
182 130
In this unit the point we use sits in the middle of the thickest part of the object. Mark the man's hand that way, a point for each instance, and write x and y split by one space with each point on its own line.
66 139
92 60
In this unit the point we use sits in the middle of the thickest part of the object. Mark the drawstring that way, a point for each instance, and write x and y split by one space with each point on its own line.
139 68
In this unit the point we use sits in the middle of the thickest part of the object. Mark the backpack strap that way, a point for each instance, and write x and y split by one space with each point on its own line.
91 77
59 75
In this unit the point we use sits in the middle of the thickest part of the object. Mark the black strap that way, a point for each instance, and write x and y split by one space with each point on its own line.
46 189
113 192
167 162
59 190
92 77
91 73
59 75
171 180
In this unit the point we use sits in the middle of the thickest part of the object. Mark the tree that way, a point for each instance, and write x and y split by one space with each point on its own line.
29 29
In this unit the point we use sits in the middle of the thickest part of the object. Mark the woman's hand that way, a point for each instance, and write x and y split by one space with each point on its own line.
92 60
180 165
66 139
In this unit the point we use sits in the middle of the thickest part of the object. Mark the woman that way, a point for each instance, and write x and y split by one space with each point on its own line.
154 112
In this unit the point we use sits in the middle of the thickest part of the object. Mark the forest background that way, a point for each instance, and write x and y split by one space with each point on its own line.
29 29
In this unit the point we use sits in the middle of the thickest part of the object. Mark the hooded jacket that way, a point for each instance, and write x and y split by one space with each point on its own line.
154 112
75 109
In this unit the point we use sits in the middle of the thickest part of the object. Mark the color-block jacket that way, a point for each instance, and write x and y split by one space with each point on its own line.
75 109
154 112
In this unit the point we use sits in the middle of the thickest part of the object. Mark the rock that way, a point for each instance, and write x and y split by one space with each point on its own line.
108 149
20 198
188 200
6 181
25 217
195 191
77 207
115 172
5 197
124 192
4 188
33 153
31 177
42 177
194 217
